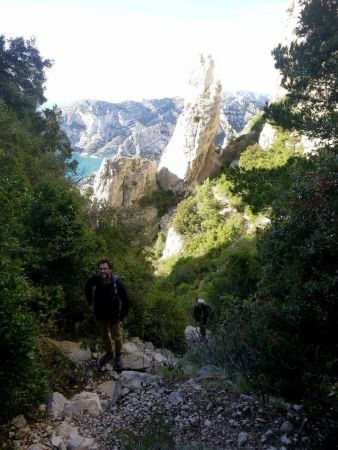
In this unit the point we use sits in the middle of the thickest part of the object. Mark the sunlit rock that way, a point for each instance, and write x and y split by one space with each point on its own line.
123 181
173 244
267 136
190 156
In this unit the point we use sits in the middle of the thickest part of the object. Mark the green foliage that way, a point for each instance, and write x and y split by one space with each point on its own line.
163 317
156 436
221 235
238 273
22 381
309 74
161 199
61 373
198 212
299 254
22 74
262 176
275 308
44 242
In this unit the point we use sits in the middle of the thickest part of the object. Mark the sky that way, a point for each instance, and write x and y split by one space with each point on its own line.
116 50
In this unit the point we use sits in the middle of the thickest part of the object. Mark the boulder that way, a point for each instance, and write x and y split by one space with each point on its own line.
192 334
66 431
86 401
107 387
56 404
74 350
19 422
81 443
134 359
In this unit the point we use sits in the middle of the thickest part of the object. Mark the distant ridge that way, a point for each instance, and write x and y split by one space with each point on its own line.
144 128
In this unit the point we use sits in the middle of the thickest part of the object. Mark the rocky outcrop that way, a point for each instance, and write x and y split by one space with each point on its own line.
141 130
144 128
190 155
124 181
231 153
173 244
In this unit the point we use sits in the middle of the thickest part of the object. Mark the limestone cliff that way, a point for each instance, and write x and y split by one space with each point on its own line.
190 156
123 181
121 129
144 128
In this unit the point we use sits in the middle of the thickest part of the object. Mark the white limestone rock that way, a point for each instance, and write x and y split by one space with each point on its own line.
136 360
37 447
267 136
192 334
106 387
81 443
56 404
130 347
124 181
190 151
85 401
66 431
173 244
135 380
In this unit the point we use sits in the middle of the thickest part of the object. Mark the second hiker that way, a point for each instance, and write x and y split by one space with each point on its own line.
202 315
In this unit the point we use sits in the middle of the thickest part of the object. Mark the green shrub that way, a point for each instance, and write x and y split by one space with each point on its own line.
299 260
161 199
22 379
163 317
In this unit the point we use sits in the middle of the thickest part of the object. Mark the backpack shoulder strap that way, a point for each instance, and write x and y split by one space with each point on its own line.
115 279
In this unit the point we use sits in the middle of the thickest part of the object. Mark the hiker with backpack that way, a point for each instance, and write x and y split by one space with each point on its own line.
108 300
202 315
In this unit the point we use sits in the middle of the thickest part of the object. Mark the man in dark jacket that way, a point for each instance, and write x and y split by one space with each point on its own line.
108 300
202 315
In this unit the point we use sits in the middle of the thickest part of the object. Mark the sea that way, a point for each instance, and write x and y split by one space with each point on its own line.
86 165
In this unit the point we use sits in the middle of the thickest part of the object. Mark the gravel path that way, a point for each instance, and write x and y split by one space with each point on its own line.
194 413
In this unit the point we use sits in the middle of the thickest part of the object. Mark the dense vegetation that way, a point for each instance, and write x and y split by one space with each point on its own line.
260 239
50 236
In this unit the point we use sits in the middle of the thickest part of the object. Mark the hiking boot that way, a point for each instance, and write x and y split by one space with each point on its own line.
118 362
105 358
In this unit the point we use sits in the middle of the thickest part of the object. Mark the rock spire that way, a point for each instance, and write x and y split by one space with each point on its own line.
190 156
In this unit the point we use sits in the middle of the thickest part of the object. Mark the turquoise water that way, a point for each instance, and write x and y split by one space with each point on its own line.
86 165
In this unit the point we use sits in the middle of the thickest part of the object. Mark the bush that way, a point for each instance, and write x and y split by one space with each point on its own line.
22 379
299 260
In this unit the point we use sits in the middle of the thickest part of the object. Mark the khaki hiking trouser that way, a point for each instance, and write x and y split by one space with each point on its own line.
111 331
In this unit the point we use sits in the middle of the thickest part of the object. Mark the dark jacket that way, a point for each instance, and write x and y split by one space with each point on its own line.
202 314
111 300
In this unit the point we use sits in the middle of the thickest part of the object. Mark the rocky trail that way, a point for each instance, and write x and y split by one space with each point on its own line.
154 405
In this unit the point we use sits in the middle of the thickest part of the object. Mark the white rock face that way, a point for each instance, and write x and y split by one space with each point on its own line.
173 244
267 136
192 142
144 128
123 181
121 129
